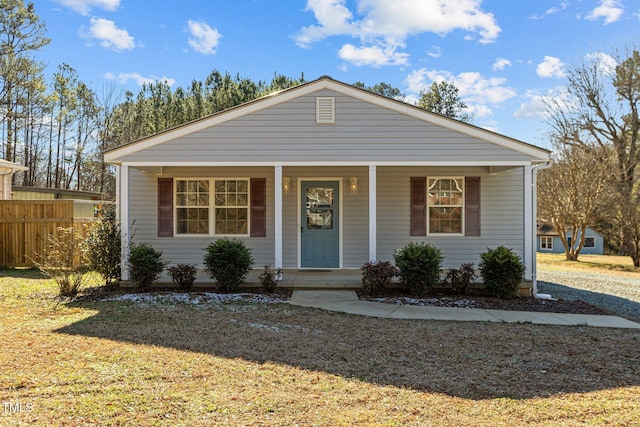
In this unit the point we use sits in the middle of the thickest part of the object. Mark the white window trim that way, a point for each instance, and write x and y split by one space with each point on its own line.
549 246
462 214
211 207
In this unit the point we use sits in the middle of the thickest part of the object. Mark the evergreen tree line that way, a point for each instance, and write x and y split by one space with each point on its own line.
58 126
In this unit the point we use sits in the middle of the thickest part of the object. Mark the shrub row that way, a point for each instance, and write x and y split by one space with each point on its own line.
228 261
418 267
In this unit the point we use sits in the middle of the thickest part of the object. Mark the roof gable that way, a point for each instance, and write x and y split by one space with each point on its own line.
321 86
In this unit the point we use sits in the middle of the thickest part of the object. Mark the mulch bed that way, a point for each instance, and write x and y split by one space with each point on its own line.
486 302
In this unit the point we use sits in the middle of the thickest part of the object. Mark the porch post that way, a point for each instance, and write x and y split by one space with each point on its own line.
529 221
278 217
124 220
372 214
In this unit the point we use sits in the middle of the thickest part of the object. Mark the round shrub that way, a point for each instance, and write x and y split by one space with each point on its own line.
461 278
145 265
183 275
419 265
376 276
501 271
228 261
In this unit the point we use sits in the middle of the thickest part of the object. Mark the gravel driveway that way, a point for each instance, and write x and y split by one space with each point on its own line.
620 295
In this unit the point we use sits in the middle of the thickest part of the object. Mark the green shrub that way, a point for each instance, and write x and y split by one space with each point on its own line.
145 265
183 275
461 278
419 266
376 276
268 278
228 261
501 271
103 248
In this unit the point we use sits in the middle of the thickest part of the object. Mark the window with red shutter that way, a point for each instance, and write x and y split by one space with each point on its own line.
418 206
472 206
258 207
165 207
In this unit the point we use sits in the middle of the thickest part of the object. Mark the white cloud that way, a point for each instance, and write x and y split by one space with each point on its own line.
138 78
477 91
550 67
204 39
610 10
500 64
385 25
375 56
435 52
110 36
333 17
553 10
84 7
536 104
606 63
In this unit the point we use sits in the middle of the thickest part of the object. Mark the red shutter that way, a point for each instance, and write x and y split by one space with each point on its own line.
418 206
472 206
258 207
165 207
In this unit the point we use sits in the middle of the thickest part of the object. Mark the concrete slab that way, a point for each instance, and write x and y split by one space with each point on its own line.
540 318
442 313
311 298
346 301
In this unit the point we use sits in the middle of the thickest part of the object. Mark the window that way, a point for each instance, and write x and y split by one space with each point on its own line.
192 206
546 243
227 208
589 242
445 198
232 206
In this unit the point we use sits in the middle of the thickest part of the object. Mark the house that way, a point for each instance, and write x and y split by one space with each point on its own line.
328 176
7 169
549 241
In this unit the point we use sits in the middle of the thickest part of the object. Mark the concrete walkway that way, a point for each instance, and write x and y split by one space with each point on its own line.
346 301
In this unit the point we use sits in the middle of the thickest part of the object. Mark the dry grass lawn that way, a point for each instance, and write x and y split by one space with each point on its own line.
121 363
609 264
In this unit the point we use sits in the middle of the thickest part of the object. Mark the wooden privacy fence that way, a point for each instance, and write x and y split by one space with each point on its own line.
25 226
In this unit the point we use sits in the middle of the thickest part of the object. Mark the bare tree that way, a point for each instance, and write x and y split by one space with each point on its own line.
601 111
571 194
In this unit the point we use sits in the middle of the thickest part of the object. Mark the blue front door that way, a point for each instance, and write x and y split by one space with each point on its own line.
320 238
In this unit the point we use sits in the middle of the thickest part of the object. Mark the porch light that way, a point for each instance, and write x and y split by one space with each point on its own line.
286 181
353 183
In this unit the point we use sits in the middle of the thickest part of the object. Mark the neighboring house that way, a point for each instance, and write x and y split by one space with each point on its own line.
328 176
549 241
40 193
7 169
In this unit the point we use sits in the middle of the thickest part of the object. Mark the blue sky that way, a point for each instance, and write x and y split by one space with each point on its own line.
503 55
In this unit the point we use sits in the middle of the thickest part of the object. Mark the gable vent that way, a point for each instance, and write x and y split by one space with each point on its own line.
325 110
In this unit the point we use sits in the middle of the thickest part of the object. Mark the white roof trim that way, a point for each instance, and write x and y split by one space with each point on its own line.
115 155
497 163
5 164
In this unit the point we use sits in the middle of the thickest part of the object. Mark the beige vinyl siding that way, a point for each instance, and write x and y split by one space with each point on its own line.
501 213
288 132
